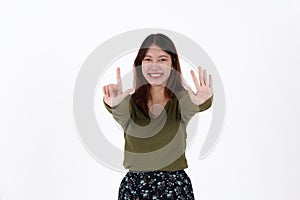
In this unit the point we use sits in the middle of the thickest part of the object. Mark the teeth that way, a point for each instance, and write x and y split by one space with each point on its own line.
155 75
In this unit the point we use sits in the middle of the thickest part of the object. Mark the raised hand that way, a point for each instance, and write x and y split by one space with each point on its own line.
204 92
113 93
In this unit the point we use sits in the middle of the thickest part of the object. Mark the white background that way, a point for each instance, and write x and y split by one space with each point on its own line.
254 44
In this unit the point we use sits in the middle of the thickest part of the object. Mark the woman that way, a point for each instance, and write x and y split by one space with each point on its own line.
154 115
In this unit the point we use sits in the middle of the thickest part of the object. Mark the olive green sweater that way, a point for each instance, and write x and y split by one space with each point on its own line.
158 143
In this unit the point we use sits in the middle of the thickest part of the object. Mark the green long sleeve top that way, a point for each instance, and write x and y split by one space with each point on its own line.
156 143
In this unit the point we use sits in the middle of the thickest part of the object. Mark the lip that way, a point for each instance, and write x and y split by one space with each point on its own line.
155 75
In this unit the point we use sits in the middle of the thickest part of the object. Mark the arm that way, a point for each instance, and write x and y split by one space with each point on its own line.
192 103
188 108
120 112
117 102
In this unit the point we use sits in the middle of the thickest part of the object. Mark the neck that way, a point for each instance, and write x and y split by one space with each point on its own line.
157 93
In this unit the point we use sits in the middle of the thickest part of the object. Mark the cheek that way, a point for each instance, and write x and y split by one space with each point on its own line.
168 71
144 70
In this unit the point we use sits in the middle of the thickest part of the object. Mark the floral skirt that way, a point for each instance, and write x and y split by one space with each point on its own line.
156 185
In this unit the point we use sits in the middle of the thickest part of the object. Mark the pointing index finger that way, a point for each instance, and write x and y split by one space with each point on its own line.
119 82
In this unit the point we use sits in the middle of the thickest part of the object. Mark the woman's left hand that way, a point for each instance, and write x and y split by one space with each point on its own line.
204 92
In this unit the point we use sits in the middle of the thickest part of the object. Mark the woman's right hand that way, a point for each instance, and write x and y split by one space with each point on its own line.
113 93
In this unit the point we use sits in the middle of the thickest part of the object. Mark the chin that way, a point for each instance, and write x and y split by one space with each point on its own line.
156 84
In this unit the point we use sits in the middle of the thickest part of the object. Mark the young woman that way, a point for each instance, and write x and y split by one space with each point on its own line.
154 115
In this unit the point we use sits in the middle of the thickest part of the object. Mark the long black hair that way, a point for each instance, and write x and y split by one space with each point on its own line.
174 82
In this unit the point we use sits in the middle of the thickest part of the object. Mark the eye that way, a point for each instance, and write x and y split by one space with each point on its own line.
163 60
147 59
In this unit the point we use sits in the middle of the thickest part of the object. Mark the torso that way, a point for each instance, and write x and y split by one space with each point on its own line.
156 108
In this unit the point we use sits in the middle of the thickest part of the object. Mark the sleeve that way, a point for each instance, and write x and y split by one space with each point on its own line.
188 109
120 112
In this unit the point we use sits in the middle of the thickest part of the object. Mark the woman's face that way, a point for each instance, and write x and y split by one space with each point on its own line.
156 66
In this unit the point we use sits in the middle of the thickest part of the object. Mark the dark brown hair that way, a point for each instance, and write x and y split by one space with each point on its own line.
142 87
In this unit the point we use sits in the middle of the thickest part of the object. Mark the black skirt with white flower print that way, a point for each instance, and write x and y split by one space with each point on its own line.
157 185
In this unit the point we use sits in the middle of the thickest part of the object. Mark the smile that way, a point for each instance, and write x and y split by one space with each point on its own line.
155 75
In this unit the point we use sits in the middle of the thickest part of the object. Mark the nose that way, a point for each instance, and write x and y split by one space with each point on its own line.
156 67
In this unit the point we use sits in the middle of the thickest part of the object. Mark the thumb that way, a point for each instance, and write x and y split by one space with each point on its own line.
190 91
127 92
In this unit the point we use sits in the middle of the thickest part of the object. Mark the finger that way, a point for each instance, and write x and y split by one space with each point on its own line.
119 82
195 80
107 92
111 90
190 91
211 84
205 76
200 76
104 90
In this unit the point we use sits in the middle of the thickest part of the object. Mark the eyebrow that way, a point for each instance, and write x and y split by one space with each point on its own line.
158 56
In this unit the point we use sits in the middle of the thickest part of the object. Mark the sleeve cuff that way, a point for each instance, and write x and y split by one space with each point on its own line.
207 104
